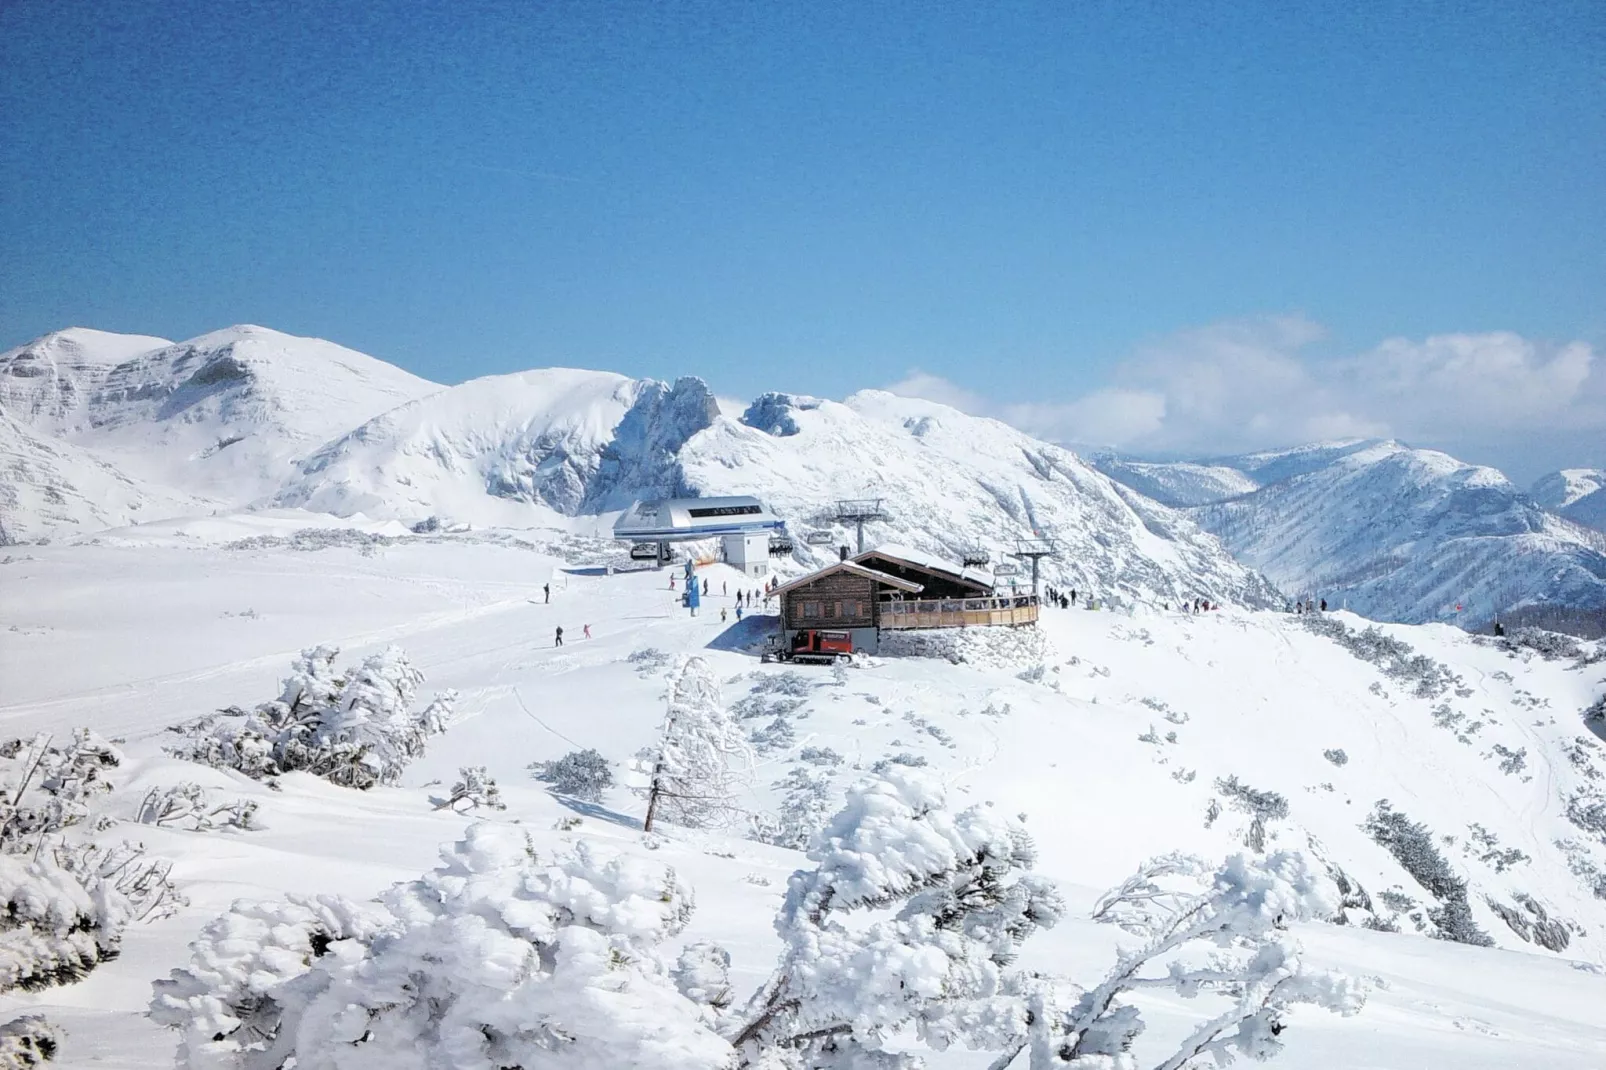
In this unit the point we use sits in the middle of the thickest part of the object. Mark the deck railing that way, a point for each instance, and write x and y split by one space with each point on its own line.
1001 611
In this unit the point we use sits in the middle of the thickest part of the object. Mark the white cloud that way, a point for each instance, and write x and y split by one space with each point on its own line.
1250 384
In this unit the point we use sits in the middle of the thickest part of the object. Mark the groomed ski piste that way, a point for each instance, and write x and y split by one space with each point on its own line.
1114 733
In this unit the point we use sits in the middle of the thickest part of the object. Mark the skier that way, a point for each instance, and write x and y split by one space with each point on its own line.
1073 596
738 612
1324 605
724 587
588 631
559 640
705 587
722 614
546 589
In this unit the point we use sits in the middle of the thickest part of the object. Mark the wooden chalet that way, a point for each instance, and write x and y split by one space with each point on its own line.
899 589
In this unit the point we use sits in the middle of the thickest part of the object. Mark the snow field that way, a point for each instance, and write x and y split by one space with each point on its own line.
131 638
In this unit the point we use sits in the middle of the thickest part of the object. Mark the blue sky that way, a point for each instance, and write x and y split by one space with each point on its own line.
1018 204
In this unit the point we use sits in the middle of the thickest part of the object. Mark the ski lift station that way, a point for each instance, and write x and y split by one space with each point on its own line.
748 531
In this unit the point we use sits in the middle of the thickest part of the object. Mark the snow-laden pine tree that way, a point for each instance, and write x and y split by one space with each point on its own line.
702 758
495 959
1215 931
357 728
912 916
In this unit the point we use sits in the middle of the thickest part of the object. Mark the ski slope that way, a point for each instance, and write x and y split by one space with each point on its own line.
154 625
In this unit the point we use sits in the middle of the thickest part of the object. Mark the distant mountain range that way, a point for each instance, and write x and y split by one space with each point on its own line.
1387 530
101 430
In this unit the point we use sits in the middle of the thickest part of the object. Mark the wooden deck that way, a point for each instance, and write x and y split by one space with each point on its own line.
959 613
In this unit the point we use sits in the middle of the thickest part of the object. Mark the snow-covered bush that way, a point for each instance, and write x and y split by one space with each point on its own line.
701 758
912 916
355 727
1336 756
810 799
64 910
495 959
187 806
66 905
581 774
1411 844
28 1041
52 787
1397 660
474 788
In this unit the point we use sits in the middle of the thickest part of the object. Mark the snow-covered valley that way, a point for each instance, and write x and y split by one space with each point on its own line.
1119 735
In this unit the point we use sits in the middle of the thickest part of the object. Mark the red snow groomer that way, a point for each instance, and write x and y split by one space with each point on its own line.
813 647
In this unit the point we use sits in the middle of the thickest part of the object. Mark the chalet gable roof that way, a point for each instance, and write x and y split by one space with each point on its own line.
858 570
925 562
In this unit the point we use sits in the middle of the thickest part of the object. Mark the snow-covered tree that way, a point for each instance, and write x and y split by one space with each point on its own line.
912 916
1180 907
582 774
495 959
474 788
357 728
702 756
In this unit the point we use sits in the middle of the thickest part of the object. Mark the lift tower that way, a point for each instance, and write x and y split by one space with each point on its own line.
1034 550
857 511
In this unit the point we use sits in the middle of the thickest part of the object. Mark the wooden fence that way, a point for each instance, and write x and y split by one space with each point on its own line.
959 612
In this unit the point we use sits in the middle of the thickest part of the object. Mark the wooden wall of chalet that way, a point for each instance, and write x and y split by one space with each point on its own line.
933 584
843 600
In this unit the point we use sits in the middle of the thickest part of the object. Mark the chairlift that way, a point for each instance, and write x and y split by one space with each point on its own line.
819 538
1006 568
644 551
976 556
780 545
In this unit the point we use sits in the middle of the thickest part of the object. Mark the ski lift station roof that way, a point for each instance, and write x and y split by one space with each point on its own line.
683 519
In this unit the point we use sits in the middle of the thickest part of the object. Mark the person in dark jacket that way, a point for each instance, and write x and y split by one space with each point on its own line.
559 640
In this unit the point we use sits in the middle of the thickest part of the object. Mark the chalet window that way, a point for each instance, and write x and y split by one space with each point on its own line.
811 609
836 609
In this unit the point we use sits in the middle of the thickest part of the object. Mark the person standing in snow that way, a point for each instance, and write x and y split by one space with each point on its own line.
738 612
705 586
1324 605
559 640
587 632
722 614
546 590
724 587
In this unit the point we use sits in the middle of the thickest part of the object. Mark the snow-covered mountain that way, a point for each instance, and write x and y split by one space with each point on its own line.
49 486
1393 532
1579 494
516 449
223 415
